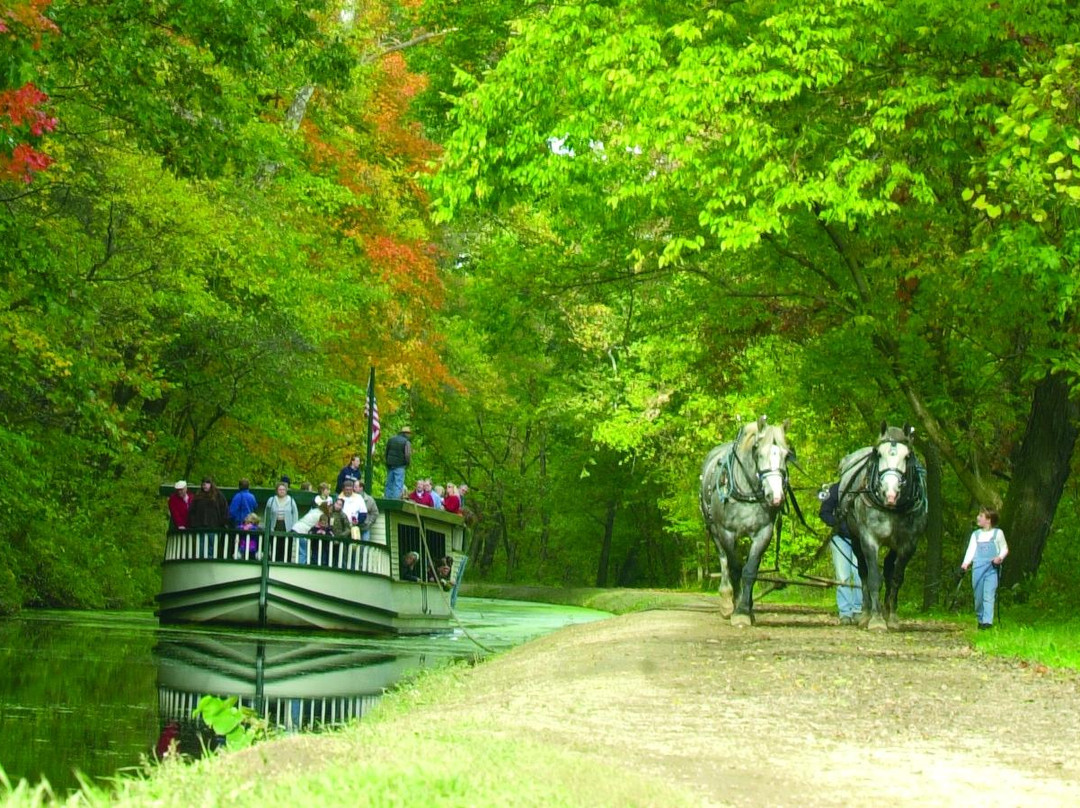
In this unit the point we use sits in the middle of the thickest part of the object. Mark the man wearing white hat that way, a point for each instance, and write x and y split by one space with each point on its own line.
179 500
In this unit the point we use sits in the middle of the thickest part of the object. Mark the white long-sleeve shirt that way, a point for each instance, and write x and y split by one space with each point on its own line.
995 534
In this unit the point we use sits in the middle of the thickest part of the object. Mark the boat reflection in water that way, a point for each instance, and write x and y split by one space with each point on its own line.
297 685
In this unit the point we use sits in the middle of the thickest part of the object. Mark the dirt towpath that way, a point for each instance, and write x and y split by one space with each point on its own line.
794 711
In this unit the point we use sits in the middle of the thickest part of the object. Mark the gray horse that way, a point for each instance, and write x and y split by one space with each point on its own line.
883 499
742 488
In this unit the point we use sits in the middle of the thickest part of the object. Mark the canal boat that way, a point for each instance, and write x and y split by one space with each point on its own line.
291 580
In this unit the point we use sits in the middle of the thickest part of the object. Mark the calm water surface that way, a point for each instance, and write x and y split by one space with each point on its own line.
96 691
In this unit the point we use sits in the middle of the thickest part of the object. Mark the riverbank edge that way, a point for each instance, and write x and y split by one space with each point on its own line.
339 768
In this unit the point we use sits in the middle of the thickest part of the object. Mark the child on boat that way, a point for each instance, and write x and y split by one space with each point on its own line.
247 545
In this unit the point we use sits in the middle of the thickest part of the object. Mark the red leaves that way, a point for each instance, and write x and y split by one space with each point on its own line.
397 87
23 163
29 16
407 267
23 118
22 107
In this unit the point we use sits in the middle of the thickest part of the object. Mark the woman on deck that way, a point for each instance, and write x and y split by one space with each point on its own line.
281 512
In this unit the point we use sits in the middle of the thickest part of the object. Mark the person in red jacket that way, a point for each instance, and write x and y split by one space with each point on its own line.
421 496
451 502
179 501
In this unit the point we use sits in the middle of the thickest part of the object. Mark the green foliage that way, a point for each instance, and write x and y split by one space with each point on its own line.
762 209
201 284
240 726
10 596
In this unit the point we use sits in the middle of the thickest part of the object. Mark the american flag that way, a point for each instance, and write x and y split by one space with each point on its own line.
371 408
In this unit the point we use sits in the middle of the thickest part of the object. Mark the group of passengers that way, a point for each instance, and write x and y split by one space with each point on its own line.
348 515
449 499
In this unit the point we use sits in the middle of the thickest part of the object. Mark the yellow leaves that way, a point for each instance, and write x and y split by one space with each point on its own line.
37 347
593 327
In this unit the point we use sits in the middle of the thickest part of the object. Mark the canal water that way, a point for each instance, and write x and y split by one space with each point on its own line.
98 692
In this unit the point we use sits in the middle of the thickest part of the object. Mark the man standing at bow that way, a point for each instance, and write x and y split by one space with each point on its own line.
398 455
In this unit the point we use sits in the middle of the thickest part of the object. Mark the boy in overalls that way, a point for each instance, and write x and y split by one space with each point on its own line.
986 550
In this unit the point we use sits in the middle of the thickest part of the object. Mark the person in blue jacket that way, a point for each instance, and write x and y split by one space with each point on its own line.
243 503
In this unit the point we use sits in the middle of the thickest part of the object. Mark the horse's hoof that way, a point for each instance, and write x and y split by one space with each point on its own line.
893 622
726 609
877 624
741 620
864 620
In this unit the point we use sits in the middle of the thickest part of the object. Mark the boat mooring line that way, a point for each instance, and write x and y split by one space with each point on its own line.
446 598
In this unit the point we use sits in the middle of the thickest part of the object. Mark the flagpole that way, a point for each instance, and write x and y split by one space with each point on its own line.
370 420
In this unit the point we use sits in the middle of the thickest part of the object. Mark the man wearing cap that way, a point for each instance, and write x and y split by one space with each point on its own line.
179 500
398 455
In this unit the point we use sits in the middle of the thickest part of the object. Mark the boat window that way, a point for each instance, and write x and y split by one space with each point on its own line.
409 539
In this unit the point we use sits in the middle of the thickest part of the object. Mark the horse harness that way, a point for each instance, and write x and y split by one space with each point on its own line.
727 486
911 481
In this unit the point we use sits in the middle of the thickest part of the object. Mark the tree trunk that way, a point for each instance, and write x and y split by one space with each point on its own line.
491 542
1040 469
628 570
605 548
935 529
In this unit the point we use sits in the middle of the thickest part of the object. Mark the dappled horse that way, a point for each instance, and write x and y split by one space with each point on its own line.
742 488
883 499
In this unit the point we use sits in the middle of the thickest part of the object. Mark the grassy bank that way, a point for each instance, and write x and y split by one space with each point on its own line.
616 601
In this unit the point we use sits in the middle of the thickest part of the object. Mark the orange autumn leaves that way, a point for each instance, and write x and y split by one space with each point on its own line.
378 156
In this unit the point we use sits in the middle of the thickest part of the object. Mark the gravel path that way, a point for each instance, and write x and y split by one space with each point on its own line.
794 711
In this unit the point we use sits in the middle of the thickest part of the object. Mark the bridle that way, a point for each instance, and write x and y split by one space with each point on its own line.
903 469
893 459
774 474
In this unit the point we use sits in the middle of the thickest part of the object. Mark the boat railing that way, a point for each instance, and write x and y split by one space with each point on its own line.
281 547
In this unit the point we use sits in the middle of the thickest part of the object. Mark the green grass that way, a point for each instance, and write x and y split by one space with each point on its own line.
1051 644
615 601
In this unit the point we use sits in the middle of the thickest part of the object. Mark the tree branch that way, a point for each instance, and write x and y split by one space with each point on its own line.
386 49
